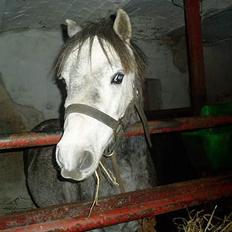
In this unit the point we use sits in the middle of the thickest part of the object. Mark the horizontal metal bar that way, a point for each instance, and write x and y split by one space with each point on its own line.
32 139
121 208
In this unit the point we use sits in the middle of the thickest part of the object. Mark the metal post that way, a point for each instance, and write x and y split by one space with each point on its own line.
195 54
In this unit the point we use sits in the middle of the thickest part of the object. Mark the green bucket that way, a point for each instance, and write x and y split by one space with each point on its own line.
211 148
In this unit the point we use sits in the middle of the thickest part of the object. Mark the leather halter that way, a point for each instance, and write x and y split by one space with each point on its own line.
118 126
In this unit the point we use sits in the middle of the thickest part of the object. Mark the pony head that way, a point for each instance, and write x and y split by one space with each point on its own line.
100 66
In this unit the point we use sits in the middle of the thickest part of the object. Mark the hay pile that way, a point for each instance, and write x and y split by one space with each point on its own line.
203 222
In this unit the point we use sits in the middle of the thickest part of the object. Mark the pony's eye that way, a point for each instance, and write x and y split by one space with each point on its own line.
117 78
62 81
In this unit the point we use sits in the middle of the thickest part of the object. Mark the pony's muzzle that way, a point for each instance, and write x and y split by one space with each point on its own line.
75 170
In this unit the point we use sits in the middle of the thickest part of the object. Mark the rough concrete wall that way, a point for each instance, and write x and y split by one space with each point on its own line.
50 14
28 94
174 91
27 67
217 43
218 72
14 118
32 51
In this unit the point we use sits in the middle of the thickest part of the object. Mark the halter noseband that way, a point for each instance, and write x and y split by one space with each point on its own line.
118 126
96 114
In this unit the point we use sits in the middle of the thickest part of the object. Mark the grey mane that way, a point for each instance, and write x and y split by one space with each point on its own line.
103 30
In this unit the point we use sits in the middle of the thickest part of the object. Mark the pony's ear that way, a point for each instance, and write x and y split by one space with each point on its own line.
72 27
122 25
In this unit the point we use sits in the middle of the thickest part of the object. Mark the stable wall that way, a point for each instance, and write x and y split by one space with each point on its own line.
31 95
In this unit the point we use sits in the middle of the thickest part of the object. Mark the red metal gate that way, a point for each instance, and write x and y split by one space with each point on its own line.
124 207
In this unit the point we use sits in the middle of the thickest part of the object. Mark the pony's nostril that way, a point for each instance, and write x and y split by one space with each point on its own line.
86 160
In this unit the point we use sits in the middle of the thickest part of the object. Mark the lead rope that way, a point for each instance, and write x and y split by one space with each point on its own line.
144 123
